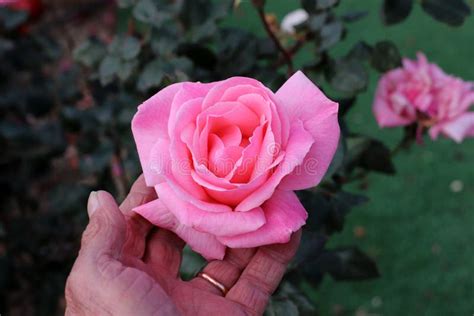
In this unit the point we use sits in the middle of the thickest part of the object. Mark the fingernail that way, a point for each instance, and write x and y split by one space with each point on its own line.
93 203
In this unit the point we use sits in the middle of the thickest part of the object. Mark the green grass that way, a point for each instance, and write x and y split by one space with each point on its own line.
420 231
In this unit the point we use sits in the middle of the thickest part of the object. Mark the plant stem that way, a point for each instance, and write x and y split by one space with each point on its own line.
276 41
291 51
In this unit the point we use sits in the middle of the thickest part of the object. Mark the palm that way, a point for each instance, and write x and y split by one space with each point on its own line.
139 274
161 259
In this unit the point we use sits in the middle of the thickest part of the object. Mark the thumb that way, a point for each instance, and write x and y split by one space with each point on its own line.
105 233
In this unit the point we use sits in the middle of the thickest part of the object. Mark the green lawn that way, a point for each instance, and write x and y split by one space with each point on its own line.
420 231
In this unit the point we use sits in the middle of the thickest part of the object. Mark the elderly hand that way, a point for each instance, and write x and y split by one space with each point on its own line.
126 268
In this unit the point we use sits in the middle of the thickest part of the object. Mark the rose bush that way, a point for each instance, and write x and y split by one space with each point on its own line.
224 158
422 92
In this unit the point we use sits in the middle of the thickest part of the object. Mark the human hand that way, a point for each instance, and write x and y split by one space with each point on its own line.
125 267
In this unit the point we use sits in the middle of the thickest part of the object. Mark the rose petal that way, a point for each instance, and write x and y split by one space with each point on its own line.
268 151
319 117
159 163
151 123
220 88
221 158
266 110
230 135
203 204
457 129
188 91
298 147
205 244
216 223
243 168
232 197
284 214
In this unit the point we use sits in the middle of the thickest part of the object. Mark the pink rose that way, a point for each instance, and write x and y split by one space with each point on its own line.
450 114
421 92
225 157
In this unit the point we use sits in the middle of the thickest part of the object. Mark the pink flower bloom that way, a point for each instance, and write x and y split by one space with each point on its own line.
450 113
421 92
225 157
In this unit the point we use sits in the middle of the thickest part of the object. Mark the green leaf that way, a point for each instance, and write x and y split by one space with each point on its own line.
385 56
89 53
204 31
281 307
395 11
195 12
109 67
325 4
191 264
324 218
151 76
311 247
180 64
337 160
343 202
354 16
344 106
330 34
130 48
267 48
348 76
318 5
368 153
11 19
6 45
298 297
361 51
145 11
316 21
222 8
237 52
126 69
98 160
125 3
347 263
200 55
125 47
164 40
451 12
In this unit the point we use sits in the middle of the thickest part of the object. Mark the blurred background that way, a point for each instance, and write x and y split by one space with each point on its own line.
57 145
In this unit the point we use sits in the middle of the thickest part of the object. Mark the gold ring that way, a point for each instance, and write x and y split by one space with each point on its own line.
216 284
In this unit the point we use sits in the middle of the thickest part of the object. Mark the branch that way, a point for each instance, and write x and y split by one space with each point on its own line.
273 37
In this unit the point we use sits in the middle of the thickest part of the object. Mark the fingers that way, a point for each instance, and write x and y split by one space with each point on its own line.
263 274
139 194
137 227
163 253
226 271
105 233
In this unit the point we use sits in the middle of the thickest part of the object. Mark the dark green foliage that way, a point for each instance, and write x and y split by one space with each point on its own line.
11 19
385 56
395 11
369 154
452 12
347 75
289 301
342 264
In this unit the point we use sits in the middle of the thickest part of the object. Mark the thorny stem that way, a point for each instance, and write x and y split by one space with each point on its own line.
292 51
286 55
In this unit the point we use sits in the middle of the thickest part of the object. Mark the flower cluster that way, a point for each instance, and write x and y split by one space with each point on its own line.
421 92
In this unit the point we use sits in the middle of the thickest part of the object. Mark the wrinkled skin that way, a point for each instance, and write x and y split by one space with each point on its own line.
125 267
